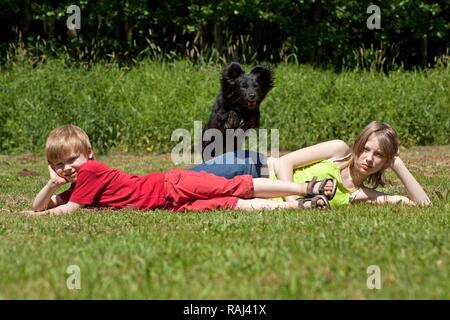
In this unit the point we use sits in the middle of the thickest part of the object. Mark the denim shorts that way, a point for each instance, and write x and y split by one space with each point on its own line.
235 163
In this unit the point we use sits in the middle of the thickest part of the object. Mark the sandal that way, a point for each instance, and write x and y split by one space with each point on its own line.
313 200
311 184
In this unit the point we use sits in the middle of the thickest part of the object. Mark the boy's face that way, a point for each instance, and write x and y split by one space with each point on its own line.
68 167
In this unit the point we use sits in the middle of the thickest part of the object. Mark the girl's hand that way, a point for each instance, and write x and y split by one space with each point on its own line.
396 162
54 178
405 200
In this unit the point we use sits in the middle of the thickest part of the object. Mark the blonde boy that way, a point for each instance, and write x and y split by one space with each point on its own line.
94 184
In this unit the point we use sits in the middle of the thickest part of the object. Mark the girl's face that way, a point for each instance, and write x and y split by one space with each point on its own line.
372 159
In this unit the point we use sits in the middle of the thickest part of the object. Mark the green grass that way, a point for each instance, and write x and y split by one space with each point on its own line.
284 254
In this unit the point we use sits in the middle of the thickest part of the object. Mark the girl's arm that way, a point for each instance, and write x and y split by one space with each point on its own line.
413 187
417 194
374 196
321 151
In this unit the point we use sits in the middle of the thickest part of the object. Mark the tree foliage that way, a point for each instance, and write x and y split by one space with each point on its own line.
332 32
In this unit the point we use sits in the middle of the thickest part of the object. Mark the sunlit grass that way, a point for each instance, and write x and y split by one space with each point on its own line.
286 254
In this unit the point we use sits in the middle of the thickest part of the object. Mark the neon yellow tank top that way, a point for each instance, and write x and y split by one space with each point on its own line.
322 169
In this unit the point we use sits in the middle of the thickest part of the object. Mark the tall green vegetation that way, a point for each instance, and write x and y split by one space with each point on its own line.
138 109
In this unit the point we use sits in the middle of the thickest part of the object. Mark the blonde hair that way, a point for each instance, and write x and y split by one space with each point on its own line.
64 140
388 141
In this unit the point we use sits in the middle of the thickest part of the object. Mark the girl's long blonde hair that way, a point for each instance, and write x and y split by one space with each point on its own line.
387 138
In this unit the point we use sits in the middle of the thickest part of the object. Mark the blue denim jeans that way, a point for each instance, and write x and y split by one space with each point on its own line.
235 163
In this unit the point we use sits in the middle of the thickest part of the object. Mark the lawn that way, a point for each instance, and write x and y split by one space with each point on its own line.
286 254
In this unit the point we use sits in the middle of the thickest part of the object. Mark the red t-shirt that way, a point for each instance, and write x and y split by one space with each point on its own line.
100 186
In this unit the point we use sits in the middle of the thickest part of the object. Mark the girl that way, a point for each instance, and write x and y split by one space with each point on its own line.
358 171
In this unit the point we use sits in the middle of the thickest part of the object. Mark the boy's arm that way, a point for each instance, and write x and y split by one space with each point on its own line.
69 207
304 156
45 198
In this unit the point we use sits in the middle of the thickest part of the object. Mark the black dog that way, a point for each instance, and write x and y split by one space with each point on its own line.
237 105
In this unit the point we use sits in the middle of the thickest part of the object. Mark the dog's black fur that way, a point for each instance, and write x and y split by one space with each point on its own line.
237 105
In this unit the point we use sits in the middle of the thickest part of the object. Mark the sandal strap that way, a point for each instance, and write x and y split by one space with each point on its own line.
317 198
312 183
322 185
310 187
314 201
301 203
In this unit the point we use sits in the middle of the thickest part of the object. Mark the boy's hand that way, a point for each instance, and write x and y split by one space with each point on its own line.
54 178
32 213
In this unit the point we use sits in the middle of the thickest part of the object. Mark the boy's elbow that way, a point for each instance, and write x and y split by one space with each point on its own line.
36 208
72 207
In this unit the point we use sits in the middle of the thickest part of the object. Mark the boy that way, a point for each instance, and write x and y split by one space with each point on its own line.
94 184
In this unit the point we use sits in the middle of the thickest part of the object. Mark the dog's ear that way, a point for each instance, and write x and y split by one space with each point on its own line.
232 71
265 77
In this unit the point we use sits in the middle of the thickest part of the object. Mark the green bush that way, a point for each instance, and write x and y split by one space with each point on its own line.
137 110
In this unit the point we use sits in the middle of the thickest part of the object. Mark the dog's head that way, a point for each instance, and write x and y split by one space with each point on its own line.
246 91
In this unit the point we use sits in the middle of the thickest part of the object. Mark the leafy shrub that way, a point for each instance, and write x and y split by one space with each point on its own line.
137 110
